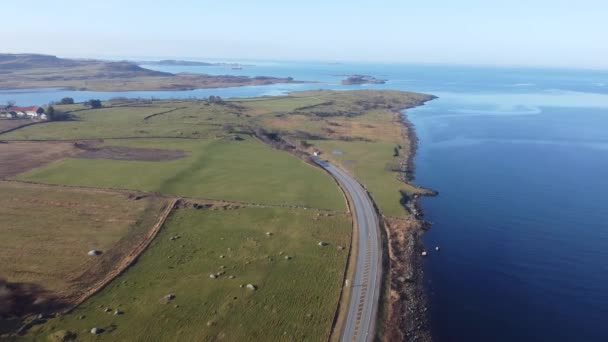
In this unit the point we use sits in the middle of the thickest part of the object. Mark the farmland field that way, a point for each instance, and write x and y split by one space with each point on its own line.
294 299
125 121
46 233
246 170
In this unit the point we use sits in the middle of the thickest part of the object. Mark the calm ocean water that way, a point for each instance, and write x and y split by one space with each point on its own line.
520 159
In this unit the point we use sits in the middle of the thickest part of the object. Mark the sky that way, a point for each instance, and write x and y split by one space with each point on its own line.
546 33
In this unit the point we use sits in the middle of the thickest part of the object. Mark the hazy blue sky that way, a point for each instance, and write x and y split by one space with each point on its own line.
516 32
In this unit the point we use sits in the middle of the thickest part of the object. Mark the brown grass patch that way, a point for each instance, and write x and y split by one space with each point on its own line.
18 157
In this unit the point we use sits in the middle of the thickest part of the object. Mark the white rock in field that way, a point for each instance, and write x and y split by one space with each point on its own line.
94 252
96 331
212 276
252 287
323 243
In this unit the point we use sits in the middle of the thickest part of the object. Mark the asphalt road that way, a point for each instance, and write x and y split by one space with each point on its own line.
360 322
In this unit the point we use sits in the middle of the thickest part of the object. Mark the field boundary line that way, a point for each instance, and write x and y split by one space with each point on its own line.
161 113
185 198
22 126
129 258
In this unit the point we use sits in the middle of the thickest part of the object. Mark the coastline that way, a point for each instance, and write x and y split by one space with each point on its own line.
136 84
406 316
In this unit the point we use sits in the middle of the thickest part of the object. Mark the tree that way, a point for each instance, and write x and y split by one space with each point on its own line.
10 103
50 113
93 103
54 115
66 101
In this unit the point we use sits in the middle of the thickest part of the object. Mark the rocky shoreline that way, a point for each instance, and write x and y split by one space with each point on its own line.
407 316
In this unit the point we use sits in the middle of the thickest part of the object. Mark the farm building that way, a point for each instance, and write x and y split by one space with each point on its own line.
32 112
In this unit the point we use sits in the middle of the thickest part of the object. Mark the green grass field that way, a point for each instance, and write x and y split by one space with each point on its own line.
295 299
280 104
186 119
222 169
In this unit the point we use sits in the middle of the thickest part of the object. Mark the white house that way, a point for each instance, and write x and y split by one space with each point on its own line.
32 112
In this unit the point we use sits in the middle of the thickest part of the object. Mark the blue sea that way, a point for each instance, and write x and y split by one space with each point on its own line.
519 157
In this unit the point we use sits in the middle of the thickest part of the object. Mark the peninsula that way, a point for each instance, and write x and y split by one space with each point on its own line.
250 231
26 71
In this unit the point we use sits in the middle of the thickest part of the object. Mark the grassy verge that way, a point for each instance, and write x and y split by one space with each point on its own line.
370 163
294 300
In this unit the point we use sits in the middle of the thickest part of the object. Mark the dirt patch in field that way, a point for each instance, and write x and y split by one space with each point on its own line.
18 157
131 153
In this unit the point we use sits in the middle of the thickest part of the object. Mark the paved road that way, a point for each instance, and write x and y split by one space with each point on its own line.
360 322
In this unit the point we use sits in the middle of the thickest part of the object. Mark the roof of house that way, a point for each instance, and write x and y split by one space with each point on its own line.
23 109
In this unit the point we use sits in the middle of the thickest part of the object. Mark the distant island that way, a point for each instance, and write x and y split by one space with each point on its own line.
362 79
23 71
177 62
